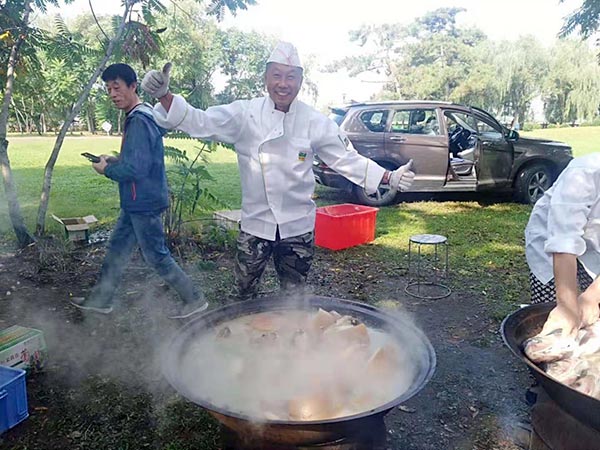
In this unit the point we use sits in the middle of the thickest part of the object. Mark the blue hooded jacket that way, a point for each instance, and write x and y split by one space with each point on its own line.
140 170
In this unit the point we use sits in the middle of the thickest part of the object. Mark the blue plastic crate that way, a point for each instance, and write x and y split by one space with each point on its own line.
13 397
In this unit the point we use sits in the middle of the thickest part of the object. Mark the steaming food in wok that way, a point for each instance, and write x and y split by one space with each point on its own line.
298 365
574 361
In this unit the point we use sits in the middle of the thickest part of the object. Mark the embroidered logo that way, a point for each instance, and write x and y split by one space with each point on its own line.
301 156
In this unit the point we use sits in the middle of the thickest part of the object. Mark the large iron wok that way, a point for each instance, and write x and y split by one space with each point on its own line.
298 432
527 322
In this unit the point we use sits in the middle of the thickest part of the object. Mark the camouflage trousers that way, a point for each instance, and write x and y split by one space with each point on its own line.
292 258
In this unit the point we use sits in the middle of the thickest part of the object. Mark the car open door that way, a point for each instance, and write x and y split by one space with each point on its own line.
483 139
414 133
496 153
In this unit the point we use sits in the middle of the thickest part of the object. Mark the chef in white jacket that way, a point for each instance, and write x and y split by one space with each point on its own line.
275 138
562 246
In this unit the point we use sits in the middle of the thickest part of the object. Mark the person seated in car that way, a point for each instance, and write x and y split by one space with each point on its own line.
416 122
431 126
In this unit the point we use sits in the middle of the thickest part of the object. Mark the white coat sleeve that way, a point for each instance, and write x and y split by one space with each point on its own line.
328 143
570 205
221 123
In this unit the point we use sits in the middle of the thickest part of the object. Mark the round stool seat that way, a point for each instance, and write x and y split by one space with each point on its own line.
427 270
428 239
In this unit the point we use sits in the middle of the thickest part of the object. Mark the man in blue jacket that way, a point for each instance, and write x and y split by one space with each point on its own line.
140 172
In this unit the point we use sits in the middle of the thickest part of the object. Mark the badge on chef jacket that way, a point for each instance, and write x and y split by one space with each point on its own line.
301 156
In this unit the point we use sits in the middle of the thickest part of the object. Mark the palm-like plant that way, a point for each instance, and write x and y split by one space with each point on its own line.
20 44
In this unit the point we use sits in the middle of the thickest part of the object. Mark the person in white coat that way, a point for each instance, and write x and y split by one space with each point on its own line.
275 138
562 247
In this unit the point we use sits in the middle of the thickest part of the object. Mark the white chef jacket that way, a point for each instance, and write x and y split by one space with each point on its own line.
567 220
275 157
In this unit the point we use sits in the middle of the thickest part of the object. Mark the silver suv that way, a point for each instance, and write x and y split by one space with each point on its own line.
455 148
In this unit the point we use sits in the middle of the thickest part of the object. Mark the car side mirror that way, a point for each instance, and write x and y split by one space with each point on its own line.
512 136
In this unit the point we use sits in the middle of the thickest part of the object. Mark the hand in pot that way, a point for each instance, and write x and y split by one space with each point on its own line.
589 309
565 318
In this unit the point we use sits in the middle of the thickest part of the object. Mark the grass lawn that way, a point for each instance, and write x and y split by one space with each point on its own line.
486 238
77 190
584 140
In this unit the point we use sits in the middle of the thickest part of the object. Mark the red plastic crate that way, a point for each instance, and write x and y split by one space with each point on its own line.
346 225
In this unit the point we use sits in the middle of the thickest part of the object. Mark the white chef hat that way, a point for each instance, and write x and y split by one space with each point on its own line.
285 53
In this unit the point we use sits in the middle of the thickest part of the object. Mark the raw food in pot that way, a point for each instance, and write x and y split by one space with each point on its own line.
573 361
567 370
550 347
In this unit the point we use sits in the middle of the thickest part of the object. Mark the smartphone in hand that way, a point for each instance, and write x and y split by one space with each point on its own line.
92 158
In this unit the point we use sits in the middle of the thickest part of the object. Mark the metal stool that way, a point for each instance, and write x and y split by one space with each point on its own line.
426 270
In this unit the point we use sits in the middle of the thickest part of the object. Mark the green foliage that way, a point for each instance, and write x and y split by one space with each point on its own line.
572 89
138 43
219 238
434 58
243 63
105 111
187 177
218 8
191 43
429 59
585 20
520 68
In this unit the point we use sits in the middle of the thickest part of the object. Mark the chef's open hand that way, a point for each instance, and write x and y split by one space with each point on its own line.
101 166
156 83
402 178
564 317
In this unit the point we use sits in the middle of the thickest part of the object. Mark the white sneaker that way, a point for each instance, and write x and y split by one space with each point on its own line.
79 302
189 309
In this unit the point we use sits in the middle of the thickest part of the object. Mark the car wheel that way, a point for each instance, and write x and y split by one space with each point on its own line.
383 196
532 182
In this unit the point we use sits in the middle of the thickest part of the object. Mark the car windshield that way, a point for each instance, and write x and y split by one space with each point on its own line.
461 119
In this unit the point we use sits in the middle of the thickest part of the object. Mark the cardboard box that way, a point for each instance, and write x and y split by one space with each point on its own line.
76 228
229 219
22 348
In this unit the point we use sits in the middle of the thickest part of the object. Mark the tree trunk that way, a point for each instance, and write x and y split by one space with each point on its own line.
24 238
90 121
17 114
47 184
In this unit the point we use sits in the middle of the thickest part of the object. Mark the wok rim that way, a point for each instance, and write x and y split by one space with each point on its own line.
518 352
421 380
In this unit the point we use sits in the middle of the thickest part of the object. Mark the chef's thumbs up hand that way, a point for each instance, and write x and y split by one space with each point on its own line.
156 83
402 178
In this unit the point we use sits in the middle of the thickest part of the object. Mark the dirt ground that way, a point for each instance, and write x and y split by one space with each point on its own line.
102 386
